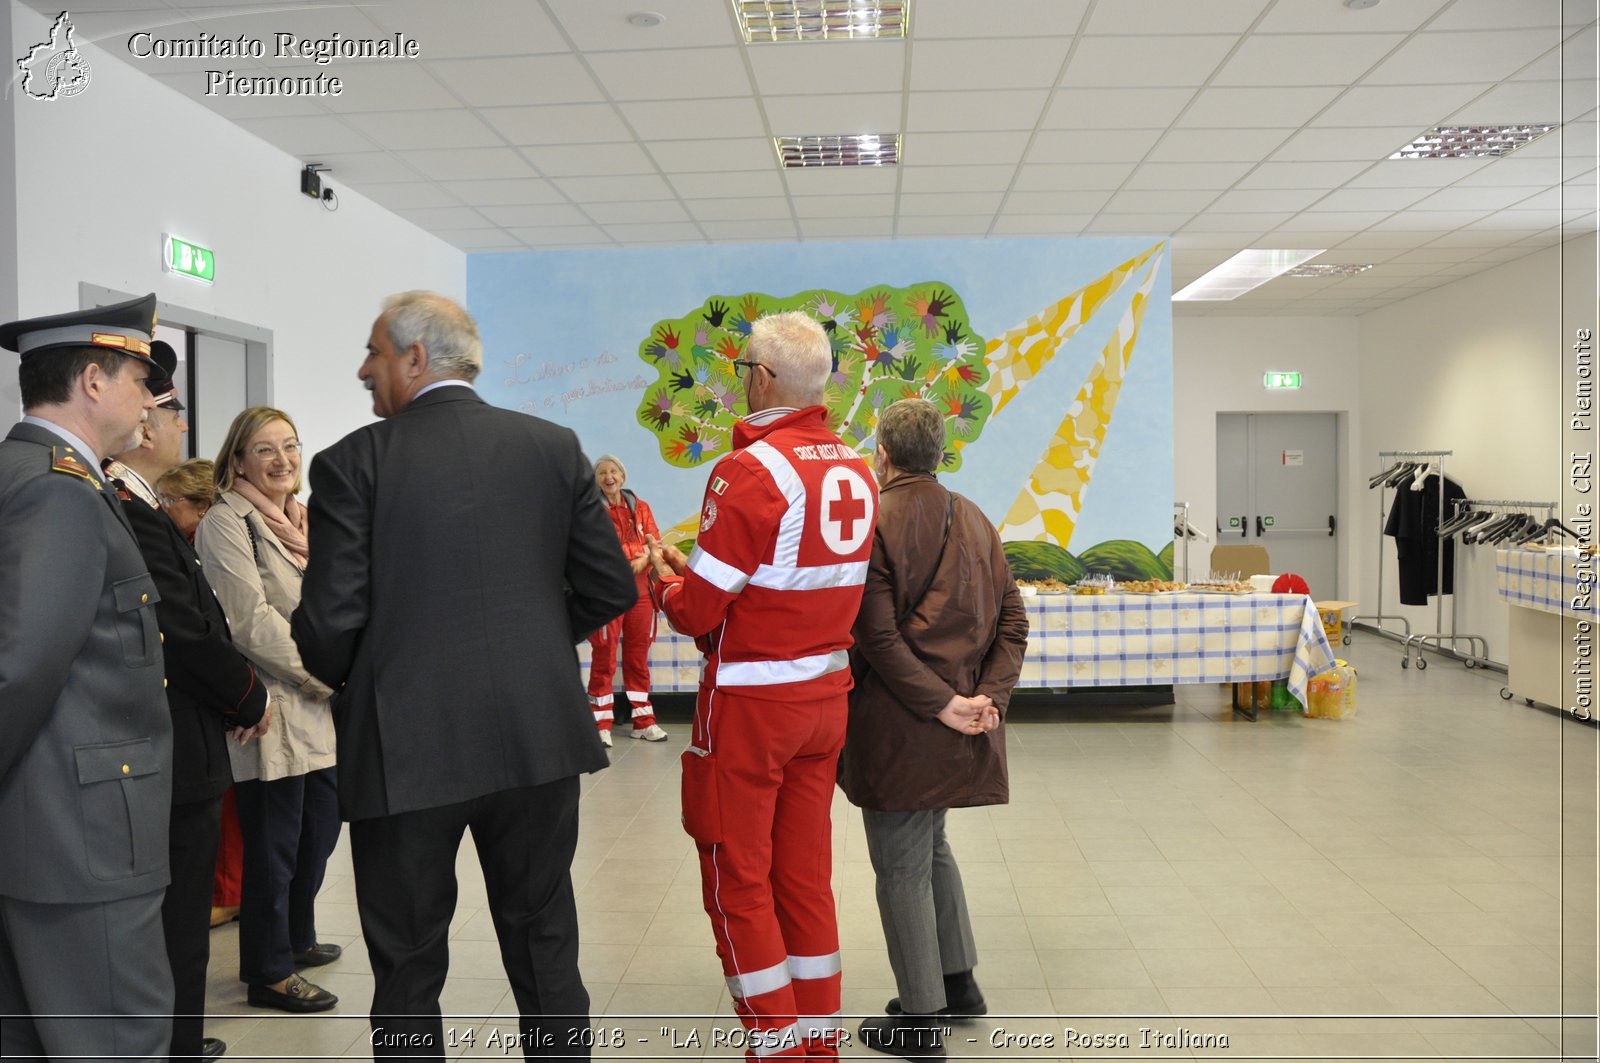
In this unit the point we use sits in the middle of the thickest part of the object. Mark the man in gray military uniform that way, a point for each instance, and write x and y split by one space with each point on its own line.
85 734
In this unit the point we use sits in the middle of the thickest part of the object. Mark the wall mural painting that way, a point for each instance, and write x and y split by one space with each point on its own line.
916 341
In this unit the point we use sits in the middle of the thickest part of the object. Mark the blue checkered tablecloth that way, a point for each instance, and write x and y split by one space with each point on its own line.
1122 640
1545 580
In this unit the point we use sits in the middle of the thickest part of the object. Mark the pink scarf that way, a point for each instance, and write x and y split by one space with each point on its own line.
288 523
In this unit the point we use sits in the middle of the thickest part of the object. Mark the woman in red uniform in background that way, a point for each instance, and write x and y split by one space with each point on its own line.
635 629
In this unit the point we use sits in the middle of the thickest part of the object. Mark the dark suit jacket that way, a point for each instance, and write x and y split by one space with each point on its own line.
210 686
458 552
85 736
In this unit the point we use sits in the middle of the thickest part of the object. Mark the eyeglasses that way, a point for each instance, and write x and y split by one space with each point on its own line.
200 504
753 365
266 451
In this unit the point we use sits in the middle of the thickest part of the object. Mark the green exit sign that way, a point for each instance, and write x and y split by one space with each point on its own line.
1282 381
191 260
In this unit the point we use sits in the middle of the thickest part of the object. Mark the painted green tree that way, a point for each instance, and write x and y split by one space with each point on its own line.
888 344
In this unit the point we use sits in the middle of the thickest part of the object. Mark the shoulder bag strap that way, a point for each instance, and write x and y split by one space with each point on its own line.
949 519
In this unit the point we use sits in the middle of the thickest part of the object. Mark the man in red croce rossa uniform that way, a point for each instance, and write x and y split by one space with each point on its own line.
770 594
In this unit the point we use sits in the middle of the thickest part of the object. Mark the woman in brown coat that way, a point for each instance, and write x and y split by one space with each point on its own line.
939 644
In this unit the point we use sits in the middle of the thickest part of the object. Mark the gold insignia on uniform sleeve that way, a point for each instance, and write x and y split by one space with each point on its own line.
64 460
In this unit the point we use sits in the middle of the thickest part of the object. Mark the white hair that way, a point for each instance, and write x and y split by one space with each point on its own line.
796 348
445 330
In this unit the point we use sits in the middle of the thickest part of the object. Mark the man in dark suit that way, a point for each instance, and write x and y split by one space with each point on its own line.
85 737
210 688
458 552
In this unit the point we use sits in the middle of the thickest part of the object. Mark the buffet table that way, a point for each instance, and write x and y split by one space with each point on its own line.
1122 640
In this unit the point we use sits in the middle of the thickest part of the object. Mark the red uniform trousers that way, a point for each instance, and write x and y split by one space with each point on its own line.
760 809
636 630
230 857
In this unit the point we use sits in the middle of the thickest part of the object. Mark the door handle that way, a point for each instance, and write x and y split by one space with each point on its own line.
1260 531
1244 525
1332 525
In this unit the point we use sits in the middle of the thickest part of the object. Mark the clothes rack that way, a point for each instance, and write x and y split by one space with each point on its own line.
1182 529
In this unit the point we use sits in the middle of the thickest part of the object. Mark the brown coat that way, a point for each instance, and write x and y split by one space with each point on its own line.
967 636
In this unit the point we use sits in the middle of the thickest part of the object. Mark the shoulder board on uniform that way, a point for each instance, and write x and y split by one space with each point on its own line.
65 459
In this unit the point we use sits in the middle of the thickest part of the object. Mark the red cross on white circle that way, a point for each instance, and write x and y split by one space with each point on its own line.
846 510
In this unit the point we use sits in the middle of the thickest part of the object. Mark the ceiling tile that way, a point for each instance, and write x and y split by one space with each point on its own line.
841 181
443 32
1305 58
1176 16
1114 108
1225 243
518 80
192 85
945 225
669 120
1290 234
535 214
833 114
1041 224
384 87
1014 18
1327 144
1265 199
307 24
1422 106
754 229
571 160
1517 102
1135 224
397 130
411 194
1395 15
367 168
1188 174
1319 175
501 193
1106 61
1475 198
759 207
1349 221
794 69
574 123
307 135
446 218
1073 176
464 164
957 148
848 228
1171 200
714 156
1085 203
1218 145
479 239
1386 200
1416 173
968 203
1286 106
630 213
956 178
1491 56
614 189
739 183
981 63
1100 145
1235 223
982 111
563 236
681 73
602 25
1516 170
845 206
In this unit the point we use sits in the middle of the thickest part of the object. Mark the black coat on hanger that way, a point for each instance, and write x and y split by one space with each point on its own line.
1414 524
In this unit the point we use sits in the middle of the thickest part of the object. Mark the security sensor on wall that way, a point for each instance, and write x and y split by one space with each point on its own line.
311 184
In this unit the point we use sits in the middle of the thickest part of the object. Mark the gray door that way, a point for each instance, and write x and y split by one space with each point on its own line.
1278 476
221 392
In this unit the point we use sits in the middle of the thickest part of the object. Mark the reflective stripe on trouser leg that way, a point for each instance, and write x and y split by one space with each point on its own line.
638 629
601 707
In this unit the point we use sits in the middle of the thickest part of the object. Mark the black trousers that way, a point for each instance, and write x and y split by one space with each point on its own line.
290 827
406 892
186 918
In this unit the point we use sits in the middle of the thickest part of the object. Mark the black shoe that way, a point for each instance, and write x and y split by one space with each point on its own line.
213 1048
317 955
913 1037
299 995
962 998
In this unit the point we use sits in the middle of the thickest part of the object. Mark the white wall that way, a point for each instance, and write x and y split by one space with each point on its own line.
1476 367
102 175
1218 364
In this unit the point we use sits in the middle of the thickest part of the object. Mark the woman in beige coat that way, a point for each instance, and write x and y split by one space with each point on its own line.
253 545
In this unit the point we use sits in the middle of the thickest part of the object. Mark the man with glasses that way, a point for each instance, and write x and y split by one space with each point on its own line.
770 593
211 689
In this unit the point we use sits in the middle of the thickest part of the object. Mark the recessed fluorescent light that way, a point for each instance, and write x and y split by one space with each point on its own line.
864 149
1471 142
1244 271
821 20
1328 269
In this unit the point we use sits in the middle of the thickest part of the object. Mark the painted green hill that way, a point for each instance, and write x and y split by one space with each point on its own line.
1034 560
1125 559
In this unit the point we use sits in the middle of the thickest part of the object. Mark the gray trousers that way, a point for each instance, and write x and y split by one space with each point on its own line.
921 903
82 981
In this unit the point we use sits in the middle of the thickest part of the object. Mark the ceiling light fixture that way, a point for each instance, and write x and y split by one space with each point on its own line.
863 149
1471 142
1244 271
821 20
1328 269
646 19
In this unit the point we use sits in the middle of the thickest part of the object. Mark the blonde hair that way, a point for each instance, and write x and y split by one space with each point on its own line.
194 480
247 424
